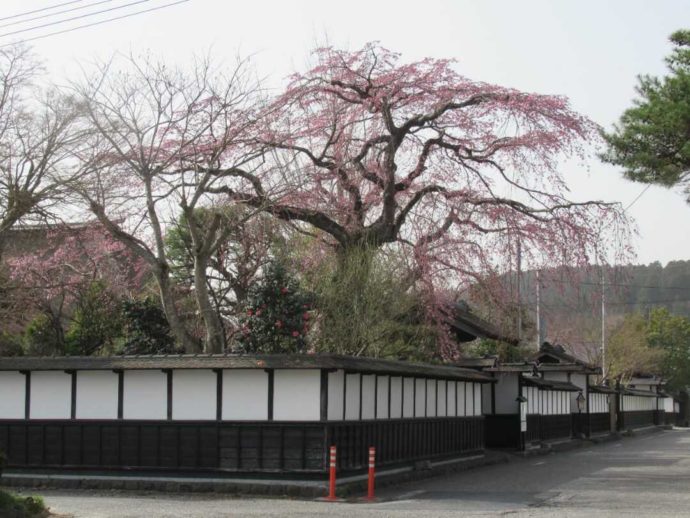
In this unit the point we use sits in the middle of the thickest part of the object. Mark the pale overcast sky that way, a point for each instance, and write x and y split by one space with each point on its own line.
587 50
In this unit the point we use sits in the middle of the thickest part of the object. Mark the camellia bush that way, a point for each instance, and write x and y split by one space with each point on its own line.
277 315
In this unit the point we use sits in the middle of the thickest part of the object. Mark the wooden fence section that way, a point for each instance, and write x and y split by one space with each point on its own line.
293 447
502 430
636 419
398 441
599 422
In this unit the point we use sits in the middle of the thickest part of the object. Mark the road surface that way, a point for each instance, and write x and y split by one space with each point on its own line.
639 476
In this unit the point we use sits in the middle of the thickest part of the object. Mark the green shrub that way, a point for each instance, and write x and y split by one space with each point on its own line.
22 506
43 337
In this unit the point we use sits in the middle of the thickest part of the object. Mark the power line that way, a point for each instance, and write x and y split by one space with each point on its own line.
620 284
55 14
637 198
39 10
578 304
98 22
58 22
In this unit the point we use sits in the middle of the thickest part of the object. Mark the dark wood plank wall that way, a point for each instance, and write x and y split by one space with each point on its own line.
258 446
636 419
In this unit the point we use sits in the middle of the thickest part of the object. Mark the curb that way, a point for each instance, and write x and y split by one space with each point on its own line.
347 486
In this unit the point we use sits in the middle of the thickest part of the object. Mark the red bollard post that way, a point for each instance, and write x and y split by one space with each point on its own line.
331 481
372 464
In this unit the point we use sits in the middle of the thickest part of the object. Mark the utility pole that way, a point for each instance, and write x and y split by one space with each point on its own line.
539 338
603 324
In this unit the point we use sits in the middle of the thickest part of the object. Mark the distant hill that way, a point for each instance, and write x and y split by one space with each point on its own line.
571 300
628 289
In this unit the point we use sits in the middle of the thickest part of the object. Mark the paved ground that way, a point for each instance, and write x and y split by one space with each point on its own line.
642 476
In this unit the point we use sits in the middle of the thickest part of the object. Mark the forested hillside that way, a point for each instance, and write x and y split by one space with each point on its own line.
571 300
634 288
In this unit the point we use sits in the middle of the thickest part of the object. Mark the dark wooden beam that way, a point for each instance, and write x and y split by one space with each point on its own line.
219 394
271 393
169 375
344 394
120 392
73 398
323 409
27 394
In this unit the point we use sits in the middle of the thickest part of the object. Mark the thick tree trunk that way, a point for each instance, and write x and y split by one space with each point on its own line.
182 337
214 342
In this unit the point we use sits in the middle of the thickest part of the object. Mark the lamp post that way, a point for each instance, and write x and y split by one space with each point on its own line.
580 402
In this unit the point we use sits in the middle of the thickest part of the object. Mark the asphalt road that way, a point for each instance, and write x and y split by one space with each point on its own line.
641 476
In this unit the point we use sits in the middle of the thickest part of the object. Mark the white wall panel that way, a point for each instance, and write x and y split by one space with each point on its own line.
145 395
194 394
461 401
352 397
97 395
420 397
469 399
477 399
51 395
245 395
12 395
486 398
335 395
451 398
668 405
368 396
408 393
382 397
431 398
441 398
396 397
297 395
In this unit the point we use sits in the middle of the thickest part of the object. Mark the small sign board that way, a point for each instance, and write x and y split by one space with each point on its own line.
523 416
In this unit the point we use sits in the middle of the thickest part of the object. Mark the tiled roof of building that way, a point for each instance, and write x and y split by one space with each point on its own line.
235 361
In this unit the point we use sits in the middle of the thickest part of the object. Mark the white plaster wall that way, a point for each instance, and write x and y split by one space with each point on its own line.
431 398
12 395
396 397
382 397
420 397
460 396
145 395
194 394
335 395
486 398
506 393
51 395
297 395
96 395
532 395
556 376
477 399
549 402
408 393
668 405
352 397
245 395
368 396
441 399
469 399
451 391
